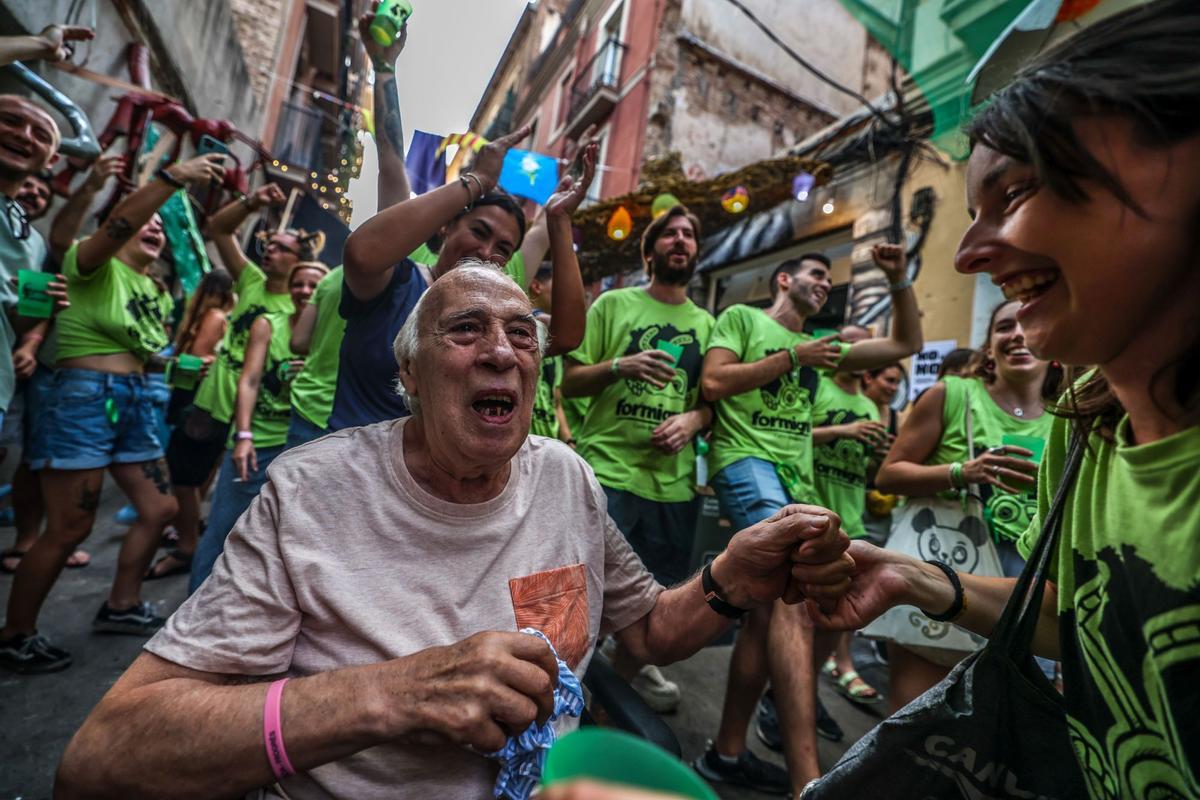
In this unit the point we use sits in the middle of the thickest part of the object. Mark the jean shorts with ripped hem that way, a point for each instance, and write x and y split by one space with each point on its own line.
93 419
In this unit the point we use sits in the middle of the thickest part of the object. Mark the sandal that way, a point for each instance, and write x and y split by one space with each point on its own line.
863 694
830 669
184 567
11 554
79 558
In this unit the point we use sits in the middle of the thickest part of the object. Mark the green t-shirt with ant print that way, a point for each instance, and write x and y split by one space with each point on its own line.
218 391
615 434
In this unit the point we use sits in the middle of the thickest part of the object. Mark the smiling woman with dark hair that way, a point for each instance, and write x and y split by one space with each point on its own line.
1084 190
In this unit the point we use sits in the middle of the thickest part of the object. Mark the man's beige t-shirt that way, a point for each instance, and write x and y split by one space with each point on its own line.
343 560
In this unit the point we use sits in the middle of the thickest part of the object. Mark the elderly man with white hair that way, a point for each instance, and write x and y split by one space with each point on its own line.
386 570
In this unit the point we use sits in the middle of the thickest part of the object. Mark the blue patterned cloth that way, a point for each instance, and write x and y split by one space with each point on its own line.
522 757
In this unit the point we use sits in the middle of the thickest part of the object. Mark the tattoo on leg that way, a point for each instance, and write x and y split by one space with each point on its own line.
89 499
118 228
153 471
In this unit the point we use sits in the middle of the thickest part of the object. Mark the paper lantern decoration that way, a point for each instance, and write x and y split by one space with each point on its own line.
1073 9
662 204
620 225
736 200
802 185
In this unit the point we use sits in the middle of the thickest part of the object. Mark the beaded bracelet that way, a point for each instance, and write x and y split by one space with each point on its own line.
957 481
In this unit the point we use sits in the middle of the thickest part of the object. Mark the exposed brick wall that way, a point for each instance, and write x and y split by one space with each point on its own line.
259 25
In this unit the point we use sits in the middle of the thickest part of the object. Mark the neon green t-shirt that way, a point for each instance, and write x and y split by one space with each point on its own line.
313 388
545 420
218 390
840 466
1007 514
575 411
615 437
1127 569
113 310
515 268
273 408
774 421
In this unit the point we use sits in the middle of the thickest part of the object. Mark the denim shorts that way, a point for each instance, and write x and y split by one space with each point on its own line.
93 419
749 492
301 431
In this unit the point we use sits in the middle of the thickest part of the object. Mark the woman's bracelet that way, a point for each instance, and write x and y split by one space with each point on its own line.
616 369
957 480
795 357
959 606
169 179
463 178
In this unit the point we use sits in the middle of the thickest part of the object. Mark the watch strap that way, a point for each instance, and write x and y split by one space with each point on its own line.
713 595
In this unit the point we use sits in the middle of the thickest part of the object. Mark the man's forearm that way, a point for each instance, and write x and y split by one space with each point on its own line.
679 625
587 380
229 218
393 180
906 321
726 380
191 738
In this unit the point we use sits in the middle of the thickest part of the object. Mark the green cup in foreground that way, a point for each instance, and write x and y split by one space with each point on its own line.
1035 444
185 372
612 756
670 348
33 299
821 333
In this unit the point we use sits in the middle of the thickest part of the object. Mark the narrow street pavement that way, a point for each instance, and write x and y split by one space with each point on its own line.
38 714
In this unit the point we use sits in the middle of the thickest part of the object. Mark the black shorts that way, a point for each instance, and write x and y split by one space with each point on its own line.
195 448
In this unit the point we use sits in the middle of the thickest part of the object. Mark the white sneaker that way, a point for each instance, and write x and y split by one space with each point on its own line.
660 694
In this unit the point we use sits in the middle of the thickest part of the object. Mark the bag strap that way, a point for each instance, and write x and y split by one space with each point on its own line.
1014 632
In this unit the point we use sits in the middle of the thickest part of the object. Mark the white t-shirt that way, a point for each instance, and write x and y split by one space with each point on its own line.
344 560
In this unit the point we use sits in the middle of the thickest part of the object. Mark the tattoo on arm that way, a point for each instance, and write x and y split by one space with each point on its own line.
387 109
118 228
89 499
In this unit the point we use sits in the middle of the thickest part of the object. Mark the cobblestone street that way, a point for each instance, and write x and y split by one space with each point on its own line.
40 713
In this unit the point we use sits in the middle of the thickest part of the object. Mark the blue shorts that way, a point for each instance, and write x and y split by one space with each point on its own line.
301 430
93 419
749 492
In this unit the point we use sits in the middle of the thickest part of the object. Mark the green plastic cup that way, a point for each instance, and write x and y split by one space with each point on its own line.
1033 443
616 757
185 372
33 299
821 333
389 19
671 349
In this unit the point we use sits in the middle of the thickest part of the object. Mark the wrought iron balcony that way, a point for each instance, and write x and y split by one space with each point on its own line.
596 90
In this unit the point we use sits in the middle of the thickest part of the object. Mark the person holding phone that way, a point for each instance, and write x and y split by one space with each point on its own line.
262 412
640 362
99 416
1007 394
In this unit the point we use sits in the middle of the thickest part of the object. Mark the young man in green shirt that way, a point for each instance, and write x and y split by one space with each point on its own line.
762 372
640 362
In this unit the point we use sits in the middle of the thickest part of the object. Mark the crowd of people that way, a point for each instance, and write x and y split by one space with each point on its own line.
444 440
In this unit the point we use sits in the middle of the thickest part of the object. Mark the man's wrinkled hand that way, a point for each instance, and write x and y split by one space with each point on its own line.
474 693
756 567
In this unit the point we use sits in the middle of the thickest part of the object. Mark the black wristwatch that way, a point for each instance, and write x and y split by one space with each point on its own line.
713 596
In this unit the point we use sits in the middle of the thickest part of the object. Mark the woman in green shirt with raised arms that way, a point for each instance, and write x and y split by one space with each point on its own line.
1084 191
100 415
261 413
1005 397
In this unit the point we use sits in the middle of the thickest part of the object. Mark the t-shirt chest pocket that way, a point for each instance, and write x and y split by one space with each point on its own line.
555 602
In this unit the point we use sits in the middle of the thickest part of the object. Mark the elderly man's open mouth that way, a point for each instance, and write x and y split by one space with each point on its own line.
495 406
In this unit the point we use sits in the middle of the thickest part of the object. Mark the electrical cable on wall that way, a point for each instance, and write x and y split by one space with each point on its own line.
846 90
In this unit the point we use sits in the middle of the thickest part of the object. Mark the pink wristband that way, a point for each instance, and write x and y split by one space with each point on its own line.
273 732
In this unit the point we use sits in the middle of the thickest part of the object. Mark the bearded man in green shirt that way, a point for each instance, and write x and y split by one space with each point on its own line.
640 362
762 371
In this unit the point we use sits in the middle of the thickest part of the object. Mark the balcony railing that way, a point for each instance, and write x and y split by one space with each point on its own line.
599 78
298 138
